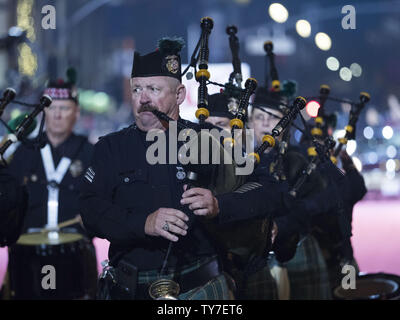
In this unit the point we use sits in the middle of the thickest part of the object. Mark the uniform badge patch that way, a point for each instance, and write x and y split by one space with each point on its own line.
76 168
90 174
172 63
233 105
180 174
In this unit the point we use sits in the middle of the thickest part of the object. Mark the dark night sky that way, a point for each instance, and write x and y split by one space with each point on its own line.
374 44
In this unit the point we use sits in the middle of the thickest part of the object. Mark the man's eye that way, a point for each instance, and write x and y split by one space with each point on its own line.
136 90
154 89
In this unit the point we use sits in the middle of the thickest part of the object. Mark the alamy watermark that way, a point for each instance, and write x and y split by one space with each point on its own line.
349 280
49 20
349 20
49 280
205 147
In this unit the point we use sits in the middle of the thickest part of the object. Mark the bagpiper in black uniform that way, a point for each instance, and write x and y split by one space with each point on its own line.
138 206
245 256
294 247
52 168
327 229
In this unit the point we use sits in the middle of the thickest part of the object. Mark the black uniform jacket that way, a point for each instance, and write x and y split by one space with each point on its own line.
121 189
27 167
13 205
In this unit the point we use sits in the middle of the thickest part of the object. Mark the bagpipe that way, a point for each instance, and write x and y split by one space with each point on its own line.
330 229
277 94
323 144
302 176
278 172
221 177
322 152
236 74
20 127
218 178
350 129
319 124
275 83
256 233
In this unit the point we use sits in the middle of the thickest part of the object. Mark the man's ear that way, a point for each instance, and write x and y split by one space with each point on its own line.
180 94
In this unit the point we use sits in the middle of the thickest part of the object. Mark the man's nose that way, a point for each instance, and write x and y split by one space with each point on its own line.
266 121
144 98
57 113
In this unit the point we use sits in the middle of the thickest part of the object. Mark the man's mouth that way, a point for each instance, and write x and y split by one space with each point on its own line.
147 108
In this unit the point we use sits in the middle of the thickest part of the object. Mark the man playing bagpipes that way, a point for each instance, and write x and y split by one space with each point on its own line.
328 230
295 249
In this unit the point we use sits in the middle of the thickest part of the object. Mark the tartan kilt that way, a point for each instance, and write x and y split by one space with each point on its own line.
308 274
214 289
260 286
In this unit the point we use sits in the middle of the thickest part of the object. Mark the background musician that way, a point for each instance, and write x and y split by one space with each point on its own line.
307 272
52 173
58 165
246 260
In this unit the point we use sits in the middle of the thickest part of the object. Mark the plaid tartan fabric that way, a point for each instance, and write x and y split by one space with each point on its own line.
215 289
308 274
260 286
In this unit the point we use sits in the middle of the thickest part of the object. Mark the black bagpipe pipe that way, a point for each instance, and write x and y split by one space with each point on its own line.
351 126
8 95
234 45
322 151
202 75
278 117
317 130
319 120
269 140
278 173
238 121
22 129
275 83
324 91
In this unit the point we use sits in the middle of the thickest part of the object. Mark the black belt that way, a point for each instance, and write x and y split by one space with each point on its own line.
188 281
